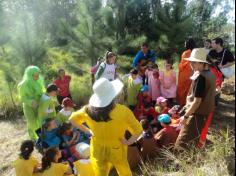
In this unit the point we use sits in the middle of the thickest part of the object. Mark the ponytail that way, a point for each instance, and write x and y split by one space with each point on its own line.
108 55
48 158
26 149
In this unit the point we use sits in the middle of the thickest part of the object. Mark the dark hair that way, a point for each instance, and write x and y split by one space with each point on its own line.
170 61
46 124
190 44
49 157
219 40
26 148
60 70
145 44
51 88
101 114
208 40
109 55
145 124
155 66
64 127
134 71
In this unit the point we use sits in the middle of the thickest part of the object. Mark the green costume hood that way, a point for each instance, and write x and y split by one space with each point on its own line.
29 85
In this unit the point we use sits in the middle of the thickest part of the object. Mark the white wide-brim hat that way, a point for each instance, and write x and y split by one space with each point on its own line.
198 55
104 92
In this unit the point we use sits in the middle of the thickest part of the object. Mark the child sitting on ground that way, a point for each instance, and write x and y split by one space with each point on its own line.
147 131
134 84
50 132
167 136
26 164
152 77
144 109
66 111
147 142
161 106
174 113
51 165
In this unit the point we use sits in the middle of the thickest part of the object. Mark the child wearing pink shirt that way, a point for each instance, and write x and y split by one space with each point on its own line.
168 81
153 82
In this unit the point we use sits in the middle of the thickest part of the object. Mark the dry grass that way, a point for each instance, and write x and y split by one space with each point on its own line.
215 160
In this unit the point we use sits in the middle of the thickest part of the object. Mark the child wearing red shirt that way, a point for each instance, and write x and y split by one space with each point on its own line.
63 83
144 109
167 136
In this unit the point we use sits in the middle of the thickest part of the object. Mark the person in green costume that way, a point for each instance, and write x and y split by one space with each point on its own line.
30 90
47 104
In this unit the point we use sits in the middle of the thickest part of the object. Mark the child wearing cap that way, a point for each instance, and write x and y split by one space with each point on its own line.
134 84
67 109
144 109
46 107
161 105
167 136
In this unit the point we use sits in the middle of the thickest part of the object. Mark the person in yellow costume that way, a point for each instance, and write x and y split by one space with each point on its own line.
26 165
108 122
30 90
51 165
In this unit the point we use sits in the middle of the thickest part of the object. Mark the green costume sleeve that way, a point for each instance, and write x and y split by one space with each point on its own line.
24 97
100 71
42 110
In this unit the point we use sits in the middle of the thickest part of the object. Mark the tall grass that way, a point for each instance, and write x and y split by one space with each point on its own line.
216 159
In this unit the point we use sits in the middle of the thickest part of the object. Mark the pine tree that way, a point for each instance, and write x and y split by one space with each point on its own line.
175 23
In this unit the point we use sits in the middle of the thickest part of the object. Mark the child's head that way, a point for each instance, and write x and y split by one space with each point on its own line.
52 155
145 124
134 73
145 90
110 57
52 90
155 67
61 73
66 128
162 102
26 149
169 64
67 104
164 119
49 124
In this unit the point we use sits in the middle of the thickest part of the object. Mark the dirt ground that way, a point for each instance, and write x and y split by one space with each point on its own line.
13 132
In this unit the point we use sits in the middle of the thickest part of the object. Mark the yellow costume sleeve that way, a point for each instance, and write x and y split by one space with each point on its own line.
134 126
78 117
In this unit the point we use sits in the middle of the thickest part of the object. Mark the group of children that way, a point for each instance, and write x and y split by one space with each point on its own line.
58 141
65 149
52 163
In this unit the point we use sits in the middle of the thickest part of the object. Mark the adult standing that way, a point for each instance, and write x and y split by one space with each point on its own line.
63 84
108 122
221 57
142 58
30 90
185 71
144 55
200 102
